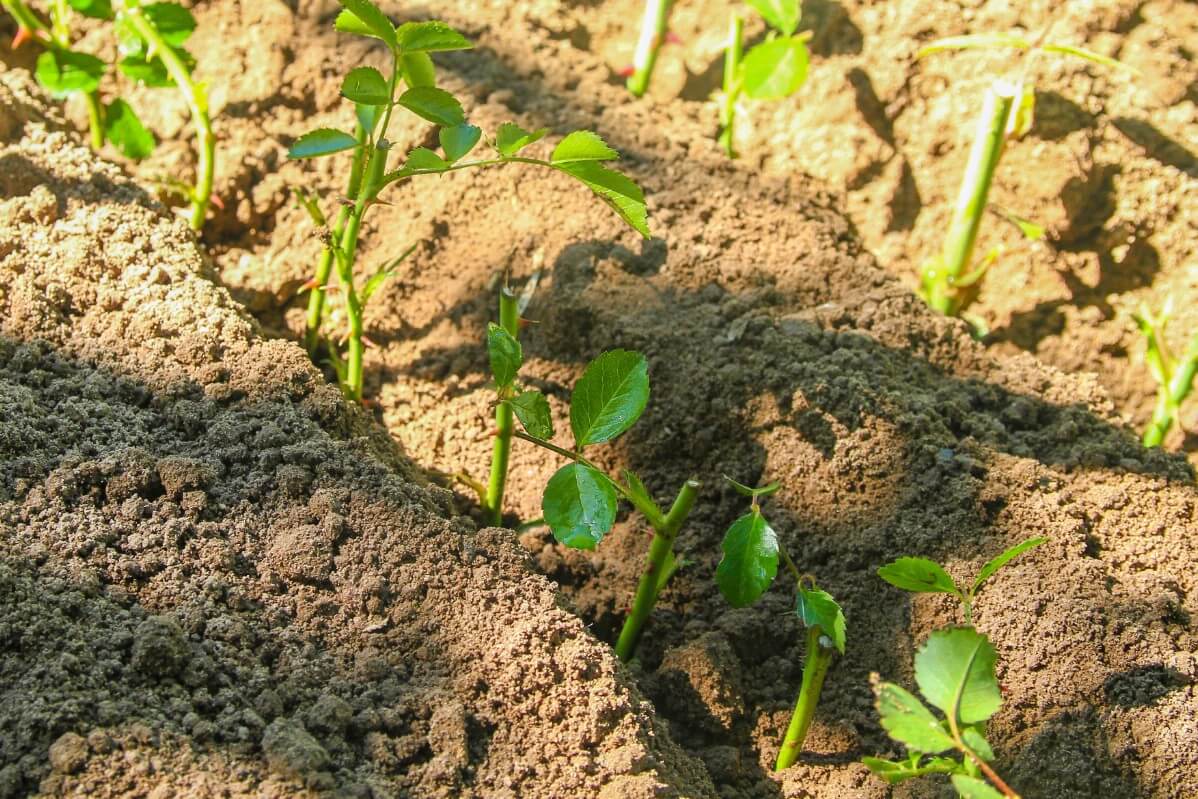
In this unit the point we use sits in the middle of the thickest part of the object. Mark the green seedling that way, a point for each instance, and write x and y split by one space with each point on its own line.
1174 378
150 38
949 281
772 70
955 673
410 85
748 568
581 500
654 23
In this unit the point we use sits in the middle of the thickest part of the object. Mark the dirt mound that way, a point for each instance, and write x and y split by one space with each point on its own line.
217 579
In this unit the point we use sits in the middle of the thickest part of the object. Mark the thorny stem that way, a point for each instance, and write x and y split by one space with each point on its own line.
819 657
653 34
733 52
509 320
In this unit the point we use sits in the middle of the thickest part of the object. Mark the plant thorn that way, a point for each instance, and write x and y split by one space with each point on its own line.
310 284
627 72
22 35
524 323
673 38
346 201
217 201
369 344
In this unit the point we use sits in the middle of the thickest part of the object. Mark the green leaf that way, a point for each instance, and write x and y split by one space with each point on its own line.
818 609
1002 560
432 36
505 353
423 158
975 41
458 141
1089 55
624 196
436 105
418 70
367 20
96 9
753 493
977 742
774 69
532 409
782 15
582 145
125 130
374 283
174 23
322 141
909 721
368 116
637 488
973 788
955 672
366 86
609 397
512 138
919 575
63 72
145 71
750 560
895 772
579 506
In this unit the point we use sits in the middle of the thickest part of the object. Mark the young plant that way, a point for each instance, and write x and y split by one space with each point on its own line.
580 154
772 70
580 500
653 35
950 279
1174 378
748 568
955 673
150 40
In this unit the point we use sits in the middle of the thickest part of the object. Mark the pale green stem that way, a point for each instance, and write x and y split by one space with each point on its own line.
733 52
1170 396
819 657
653 34
509 320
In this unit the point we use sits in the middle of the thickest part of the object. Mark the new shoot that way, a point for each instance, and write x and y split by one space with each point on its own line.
1174 377
653 35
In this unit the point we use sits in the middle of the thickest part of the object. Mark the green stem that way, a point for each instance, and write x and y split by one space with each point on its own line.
509 320
653 34
819 657
940 277
95 120
1170 396
733 53
659 568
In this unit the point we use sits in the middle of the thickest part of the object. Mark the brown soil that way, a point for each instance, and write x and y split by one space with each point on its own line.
778 350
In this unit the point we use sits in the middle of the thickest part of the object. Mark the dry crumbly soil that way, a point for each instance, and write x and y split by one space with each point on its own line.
778 350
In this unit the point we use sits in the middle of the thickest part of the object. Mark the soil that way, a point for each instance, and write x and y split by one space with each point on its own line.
242 585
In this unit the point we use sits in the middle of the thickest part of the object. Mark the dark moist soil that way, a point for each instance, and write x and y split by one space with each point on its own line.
778 350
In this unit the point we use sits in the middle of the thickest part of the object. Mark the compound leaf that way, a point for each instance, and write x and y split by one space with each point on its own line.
123 128
322 141
64 72
458 141
909 721
366 86
750 560
609 397
532 409
436 105
955 672
505 353
974 788
579 506
782 15
432 36
817 608
582 145
174 23
364 18
1002 560
512 138
624 196
774 69
920 575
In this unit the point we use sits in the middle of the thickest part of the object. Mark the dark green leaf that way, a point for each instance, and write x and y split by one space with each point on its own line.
424 159
458 141
818 609
750 560
432 36
920 575
366 86
436 105
505 353
174 23
125 130
96 9
1002 560
418 70
579 506
582 145
974 788
512 138
609 397
976 741
532 409
369 20
763 491
782 15
910 722
624 196
774 69
150 73
323 141
955 672
65 72
895 772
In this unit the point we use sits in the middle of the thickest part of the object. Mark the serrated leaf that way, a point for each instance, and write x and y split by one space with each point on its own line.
505 353
512 138
920 575
367 20
532 409
366 86
894 772
96 9
436 105
955 672
423 158
418 70
458 141
774 69
974 788
322 141
750 560
977 742
975 41
582 145
609 397
782 15
432 36
909 721
621 194
63 72
636 487
123 128
174 23
1003 559
579 506
818 609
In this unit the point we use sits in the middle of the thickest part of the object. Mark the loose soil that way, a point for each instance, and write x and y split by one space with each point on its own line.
184 489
